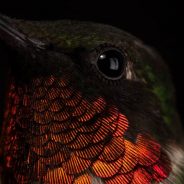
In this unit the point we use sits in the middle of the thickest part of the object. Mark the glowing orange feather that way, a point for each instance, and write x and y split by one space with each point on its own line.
73 140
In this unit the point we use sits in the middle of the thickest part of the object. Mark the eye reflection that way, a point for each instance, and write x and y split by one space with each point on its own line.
111 63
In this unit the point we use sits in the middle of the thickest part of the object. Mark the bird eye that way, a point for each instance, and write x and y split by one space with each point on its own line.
111 63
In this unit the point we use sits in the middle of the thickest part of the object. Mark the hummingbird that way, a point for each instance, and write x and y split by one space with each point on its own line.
85 103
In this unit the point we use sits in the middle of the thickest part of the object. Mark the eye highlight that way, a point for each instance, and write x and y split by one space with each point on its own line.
111 63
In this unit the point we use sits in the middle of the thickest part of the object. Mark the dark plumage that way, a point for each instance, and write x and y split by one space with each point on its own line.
85 103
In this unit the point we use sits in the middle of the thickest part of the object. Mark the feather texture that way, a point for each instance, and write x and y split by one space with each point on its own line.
47 139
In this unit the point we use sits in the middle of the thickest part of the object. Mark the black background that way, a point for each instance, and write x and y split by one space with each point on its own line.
158 24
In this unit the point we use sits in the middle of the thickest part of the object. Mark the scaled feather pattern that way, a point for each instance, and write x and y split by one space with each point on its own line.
53 134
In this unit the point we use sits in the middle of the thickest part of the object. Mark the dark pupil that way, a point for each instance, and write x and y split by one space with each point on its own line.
111 63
